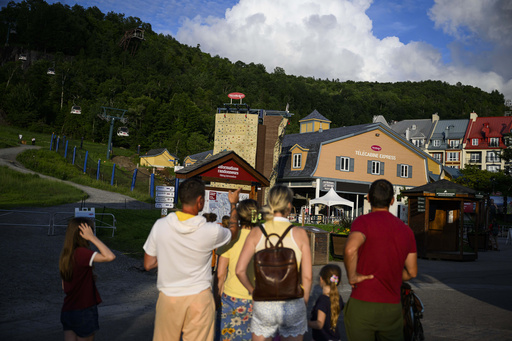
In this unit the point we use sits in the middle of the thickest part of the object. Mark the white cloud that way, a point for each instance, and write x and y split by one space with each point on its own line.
334 39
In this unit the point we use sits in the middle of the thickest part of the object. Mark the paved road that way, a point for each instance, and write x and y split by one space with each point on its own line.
467 301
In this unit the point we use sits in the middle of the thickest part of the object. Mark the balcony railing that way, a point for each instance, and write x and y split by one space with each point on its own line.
494 159
479 160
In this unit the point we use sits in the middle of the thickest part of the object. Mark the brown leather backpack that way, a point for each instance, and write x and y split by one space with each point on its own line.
277 275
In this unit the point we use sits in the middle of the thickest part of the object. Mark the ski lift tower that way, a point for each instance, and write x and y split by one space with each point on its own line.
112 114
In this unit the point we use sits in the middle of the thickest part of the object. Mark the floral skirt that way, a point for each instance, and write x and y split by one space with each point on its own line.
235 324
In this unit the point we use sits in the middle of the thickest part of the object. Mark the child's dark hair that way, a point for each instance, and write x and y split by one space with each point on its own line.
331 275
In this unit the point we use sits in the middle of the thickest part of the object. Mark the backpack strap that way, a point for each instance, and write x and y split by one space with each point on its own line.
280 240
284 234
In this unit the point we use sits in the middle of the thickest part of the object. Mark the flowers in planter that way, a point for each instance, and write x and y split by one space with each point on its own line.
342 226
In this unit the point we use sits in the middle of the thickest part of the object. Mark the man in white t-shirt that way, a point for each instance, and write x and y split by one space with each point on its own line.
181 246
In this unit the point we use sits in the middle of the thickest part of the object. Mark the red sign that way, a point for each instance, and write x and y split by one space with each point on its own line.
236 95
213 196
469 207
229 170
376 148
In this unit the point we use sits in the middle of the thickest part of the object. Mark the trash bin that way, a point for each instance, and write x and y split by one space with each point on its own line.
319 243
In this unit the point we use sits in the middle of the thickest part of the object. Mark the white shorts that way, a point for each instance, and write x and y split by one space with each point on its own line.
288 318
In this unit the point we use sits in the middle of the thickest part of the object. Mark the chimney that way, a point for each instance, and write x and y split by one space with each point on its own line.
473 116
435 117
407 134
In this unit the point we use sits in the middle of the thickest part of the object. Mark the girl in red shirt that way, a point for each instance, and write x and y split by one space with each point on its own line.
79 315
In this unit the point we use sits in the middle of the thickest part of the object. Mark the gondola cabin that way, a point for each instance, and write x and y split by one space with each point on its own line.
76 110
22 56
123 131
51 71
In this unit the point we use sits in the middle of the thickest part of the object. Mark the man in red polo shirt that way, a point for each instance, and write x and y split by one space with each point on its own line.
380 253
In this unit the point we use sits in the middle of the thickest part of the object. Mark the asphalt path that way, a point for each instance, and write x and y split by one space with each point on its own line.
463 300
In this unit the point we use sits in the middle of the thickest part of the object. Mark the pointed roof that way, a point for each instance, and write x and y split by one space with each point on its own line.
332 199
440 185
158 151
315 115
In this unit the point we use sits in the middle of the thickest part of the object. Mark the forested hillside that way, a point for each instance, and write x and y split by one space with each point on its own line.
171 91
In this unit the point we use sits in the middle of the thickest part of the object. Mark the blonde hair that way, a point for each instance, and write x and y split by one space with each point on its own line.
278 199
331 275
72 241
248 213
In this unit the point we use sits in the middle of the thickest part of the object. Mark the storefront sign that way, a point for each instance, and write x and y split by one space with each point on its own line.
375 155
327 185
447 193
229 170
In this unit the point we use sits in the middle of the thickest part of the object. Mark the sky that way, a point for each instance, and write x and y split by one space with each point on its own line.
467 41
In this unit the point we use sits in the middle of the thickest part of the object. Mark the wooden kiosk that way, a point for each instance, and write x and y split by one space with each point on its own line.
227 167
436 215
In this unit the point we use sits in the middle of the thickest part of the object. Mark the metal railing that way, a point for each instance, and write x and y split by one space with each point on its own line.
52 220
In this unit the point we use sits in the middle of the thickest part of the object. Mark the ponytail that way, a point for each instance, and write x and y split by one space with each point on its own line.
331 275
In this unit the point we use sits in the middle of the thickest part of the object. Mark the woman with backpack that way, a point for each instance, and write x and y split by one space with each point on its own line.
79 314
286 317
236 302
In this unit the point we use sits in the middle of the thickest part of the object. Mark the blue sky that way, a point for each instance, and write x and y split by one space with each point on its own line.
467 41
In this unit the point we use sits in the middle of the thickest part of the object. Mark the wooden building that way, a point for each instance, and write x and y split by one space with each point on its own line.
436 215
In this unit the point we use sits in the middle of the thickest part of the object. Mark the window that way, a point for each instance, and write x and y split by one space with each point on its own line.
452 156
375 167
404 171
493 156
344 164
493 168
454 143
474 142
297 160
418 143
436 143
494 141
438 156
475 157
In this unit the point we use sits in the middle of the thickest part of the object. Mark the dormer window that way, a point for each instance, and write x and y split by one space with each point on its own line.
297 160
494 142
436 143
454 143
474 142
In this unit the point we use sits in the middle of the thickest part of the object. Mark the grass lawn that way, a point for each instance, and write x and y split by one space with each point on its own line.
20 190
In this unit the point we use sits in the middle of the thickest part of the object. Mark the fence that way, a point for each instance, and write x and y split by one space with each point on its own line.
111 174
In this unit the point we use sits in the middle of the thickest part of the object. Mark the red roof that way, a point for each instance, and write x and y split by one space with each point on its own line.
485 127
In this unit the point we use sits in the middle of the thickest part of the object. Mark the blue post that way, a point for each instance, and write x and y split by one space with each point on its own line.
85 161
98 171
74 155
176 185
134 178
152 186
113 172
66 150
57 144
51 142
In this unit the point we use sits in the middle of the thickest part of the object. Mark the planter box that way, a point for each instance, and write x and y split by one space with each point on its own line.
482 239
338 242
